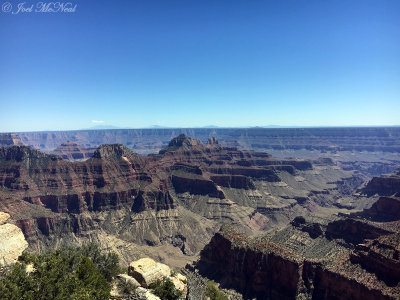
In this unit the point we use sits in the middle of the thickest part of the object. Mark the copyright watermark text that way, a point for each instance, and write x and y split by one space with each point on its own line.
39 7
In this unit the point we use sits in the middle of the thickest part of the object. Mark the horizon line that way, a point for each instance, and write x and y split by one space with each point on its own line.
208 127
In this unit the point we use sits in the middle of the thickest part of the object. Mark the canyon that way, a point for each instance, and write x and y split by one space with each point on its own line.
232 204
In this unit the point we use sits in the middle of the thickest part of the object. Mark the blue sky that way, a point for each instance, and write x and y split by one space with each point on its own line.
195 63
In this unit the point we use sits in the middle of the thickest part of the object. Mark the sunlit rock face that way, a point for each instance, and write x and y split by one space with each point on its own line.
12 242
178 197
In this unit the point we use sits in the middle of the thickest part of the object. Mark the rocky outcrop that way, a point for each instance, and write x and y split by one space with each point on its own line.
10 139
72 151
353 231
146 271
153 200
313 229
268 174
265 270
181 142
384 185
3 217
176 197
385 209
12 242
380 256
197 186
322 283
212 141
234 181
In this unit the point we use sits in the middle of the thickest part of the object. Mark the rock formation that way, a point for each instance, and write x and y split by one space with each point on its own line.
147 271
383 185
72 151
146 141
350 256
12 242
178 197
142 274
10 139
304 233
267 269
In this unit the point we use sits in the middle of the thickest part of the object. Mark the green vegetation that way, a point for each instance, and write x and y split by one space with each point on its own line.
165 289
70 273
126 287
213 292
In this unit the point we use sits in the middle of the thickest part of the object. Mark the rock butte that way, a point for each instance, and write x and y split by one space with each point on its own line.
309 228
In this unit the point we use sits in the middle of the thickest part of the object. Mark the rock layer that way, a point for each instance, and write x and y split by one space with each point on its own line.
265 270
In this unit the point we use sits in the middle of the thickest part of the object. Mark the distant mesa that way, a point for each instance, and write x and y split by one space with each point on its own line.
72 151
151 140
181 142
114 151
10 139
383 185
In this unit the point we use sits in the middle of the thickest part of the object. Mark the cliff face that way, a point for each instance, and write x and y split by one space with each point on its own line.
72 151
354 256
382 257
384 185
266 270
178 197
353 231
266 273
385 209
10 139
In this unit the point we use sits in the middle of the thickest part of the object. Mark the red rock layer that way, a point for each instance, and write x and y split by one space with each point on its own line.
267 271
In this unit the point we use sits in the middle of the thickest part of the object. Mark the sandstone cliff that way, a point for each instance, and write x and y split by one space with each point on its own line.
177 197
266 270
12 242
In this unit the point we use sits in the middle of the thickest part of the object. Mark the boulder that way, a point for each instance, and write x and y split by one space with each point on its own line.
3 217
12 242
146 271
180 283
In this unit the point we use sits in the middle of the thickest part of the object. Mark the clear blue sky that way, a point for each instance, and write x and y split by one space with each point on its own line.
191 63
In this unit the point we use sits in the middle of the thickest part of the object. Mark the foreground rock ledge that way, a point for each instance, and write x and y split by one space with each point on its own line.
12 241
143 272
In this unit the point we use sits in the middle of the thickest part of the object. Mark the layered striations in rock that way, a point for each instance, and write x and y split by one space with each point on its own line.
151 140
178 197
72 151
302 266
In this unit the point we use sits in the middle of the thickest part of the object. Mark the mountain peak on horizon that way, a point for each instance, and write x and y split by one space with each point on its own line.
181 141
